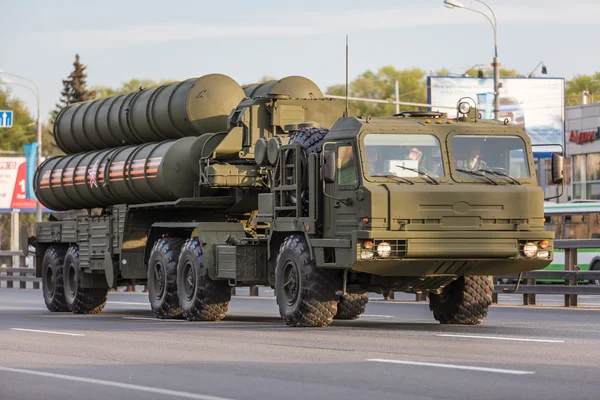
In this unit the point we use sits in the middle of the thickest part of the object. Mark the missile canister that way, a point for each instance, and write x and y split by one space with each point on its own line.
188 108
296 87
150 172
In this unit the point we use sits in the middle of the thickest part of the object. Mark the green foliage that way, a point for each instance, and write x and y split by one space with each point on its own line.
74 88
578 84
133 85
379 85
490 72
23 129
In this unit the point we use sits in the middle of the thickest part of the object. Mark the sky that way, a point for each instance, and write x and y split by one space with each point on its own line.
247 40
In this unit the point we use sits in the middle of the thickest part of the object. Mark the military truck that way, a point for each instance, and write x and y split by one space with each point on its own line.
196 187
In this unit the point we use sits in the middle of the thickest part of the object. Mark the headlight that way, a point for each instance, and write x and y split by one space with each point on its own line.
464 107
543 254
384 249
530 249
366 254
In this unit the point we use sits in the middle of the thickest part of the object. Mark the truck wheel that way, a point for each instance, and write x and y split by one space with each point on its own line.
464 301
162 277
200 298
352 305
305 294
81 300
52 279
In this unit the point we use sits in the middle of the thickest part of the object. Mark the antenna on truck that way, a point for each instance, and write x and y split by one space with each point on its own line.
346 112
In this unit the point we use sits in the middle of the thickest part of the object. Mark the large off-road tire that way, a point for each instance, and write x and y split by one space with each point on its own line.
162 277
311 141
80 300
305 294
352 305
200 297
52 279
465 301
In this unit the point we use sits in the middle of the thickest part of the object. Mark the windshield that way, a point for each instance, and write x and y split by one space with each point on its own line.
502 155
403 155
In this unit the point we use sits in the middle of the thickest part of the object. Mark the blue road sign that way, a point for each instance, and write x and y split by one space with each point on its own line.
6 118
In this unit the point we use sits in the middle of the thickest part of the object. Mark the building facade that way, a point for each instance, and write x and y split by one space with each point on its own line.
582 140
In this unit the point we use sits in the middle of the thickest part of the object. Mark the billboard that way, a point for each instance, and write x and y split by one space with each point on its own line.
13 185
535 104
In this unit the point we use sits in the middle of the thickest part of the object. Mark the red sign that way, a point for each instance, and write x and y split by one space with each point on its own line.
12 184
584 136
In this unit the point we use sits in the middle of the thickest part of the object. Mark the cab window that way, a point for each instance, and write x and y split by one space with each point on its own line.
346 166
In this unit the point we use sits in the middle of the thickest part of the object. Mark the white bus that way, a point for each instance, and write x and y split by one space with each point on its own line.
575 220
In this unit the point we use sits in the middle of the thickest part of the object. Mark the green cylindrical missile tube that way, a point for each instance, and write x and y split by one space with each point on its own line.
296 87
151 172
172 111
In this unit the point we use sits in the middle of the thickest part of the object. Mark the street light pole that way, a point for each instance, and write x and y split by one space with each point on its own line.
36 92
496 62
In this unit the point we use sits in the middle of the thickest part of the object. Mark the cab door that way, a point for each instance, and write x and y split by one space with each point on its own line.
341 207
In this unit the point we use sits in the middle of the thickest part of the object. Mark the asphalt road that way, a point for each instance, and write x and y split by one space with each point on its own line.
396 351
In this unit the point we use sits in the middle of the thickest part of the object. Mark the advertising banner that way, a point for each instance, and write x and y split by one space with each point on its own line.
13 185
535 104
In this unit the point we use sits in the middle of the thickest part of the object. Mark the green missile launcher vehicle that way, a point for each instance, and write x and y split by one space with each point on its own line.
197 187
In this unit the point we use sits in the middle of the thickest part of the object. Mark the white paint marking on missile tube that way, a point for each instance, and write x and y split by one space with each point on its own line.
502 338
49 332
453 366
148 389
155 319
129 303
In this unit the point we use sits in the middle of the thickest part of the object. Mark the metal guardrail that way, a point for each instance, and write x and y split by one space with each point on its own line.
571 276
10 274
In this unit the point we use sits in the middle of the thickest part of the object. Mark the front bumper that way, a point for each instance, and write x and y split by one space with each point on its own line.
451 253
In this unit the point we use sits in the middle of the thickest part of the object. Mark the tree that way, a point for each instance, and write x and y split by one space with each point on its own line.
74 88
380 85
23 129
79 83
579 83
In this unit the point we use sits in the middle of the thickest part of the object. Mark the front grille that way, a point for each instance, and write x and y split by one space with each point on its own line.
399 248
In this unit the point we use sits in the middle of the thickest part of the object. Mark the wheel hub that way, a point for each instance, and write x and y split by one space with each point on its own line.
159 281
71 281
189 274
49 280
291 282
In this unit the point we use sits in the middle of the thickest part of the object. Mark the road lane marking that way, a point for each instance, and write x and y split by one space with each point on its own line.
140 388
156 319
128 303
378 316
502 338
454 366
50 332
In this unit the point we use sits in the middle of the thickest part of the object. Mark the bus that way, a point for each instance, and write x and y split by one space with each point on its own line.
575 220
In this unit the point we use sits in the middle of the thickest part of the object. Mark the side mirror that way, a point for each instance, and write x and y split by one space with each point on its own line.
558 169
329 166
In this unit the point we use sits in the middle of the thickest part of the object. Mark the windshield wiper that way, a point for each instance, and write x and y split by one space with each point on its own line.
466 171
432 180
501 174
403 180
